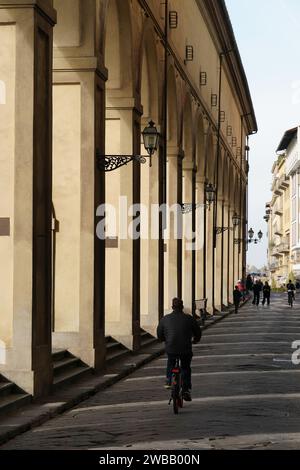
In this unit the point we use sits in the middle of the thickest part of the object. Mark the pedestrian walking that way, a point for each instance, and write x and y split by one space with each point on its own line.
237 295
242 288
249 283
178 330
257 288
266 293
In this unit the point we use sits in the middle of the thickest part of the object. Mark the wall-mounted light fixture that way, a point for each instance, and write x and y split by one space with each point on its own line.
113 162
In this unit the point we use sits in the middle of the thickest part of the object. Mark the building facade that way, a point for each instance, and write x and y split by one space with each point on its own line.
79 80
279 224
289 145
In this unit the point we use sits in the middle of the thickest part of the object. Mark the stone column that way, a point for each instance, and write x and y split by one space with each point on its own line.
188 240
200 213
123 282
171 251
231 260
149 243
78 185
226 238
26 64
219 258
209 259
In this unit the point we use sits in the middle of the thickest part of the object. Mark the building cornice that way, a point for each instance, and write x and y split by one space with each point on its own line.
193 89
216 14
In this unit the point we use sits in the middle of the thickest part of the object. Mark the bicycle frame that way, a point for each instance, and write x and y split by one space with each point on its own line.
176 387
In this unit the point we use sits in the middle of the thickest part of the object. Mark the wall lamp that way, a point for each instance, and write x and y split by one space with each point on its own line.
113 162
236 220
210 194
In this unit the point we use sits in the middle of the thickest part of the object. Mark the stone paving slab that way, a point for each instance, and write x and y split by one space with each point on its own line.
242 399
66 398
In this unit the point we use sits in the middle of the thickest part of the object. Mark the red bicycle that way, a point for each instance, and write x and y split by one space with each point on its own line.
176 387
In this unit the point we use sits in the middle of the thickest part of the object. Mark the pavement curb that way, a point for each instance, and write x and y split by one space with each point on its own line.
57 409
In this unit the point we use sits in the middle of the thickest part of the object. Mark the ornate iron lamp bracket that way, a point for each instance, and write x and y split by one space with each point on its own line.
187 208
113 162
220 230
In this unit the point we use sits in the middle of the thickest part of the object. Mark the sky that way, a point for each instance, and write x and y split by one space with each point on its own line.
267 33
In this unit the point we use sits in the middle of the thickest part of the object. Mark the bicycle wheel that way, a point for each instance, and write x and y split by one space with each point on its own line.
175 393
175 406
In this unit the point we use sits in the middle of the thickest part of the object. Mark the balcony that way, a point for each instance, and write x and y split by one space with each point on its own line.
283 182
283 248
278 230
278 210
274 266
275 251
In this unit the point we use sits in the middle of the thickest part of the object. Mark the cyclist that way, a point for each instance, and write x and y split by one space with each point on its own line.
177 330
291 289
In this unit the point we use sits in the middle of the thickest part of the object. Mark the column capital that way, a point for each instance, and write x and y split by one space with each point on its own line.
173 151
188 165
200 179
45 7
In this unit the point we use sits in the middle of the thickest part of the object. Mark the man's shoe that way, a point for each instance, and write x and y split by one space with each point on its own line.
167 385
187 396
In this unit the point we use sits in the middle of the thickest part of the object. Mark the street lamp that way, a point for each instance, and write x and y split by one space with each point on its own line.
113 162
235 222
150 138
210 194
251 238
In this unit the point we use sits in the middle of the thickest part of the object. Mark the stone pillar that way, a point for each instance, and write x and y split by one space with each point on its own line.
171 243
219 258
123 282
200 214
149 243
209 259
26 63
78 185
237 261
188 239
231 260
226 238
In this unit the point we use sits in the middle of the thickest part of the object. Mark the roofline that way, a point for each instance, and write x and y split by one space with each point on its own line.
220 19
282 147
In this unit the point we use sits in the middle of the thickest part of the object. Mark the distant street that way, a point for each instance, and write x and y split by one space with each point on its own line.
246 394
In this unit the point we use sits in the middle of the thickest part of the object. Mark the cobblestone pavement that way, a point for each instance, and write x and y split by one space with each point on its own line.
246 394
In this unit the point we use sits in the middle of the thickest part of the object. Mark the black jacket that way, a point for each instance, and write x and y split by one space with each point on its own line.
237 295
177 330
267 291
257 288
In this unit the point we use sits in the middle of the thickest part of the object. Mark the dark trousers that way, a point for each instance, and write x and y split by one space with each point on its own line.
266 298
186 371
236 305
256 299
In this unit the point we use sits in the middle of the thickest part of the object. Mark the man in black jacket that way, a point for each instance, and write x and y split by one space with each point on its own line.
257 288
177 330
